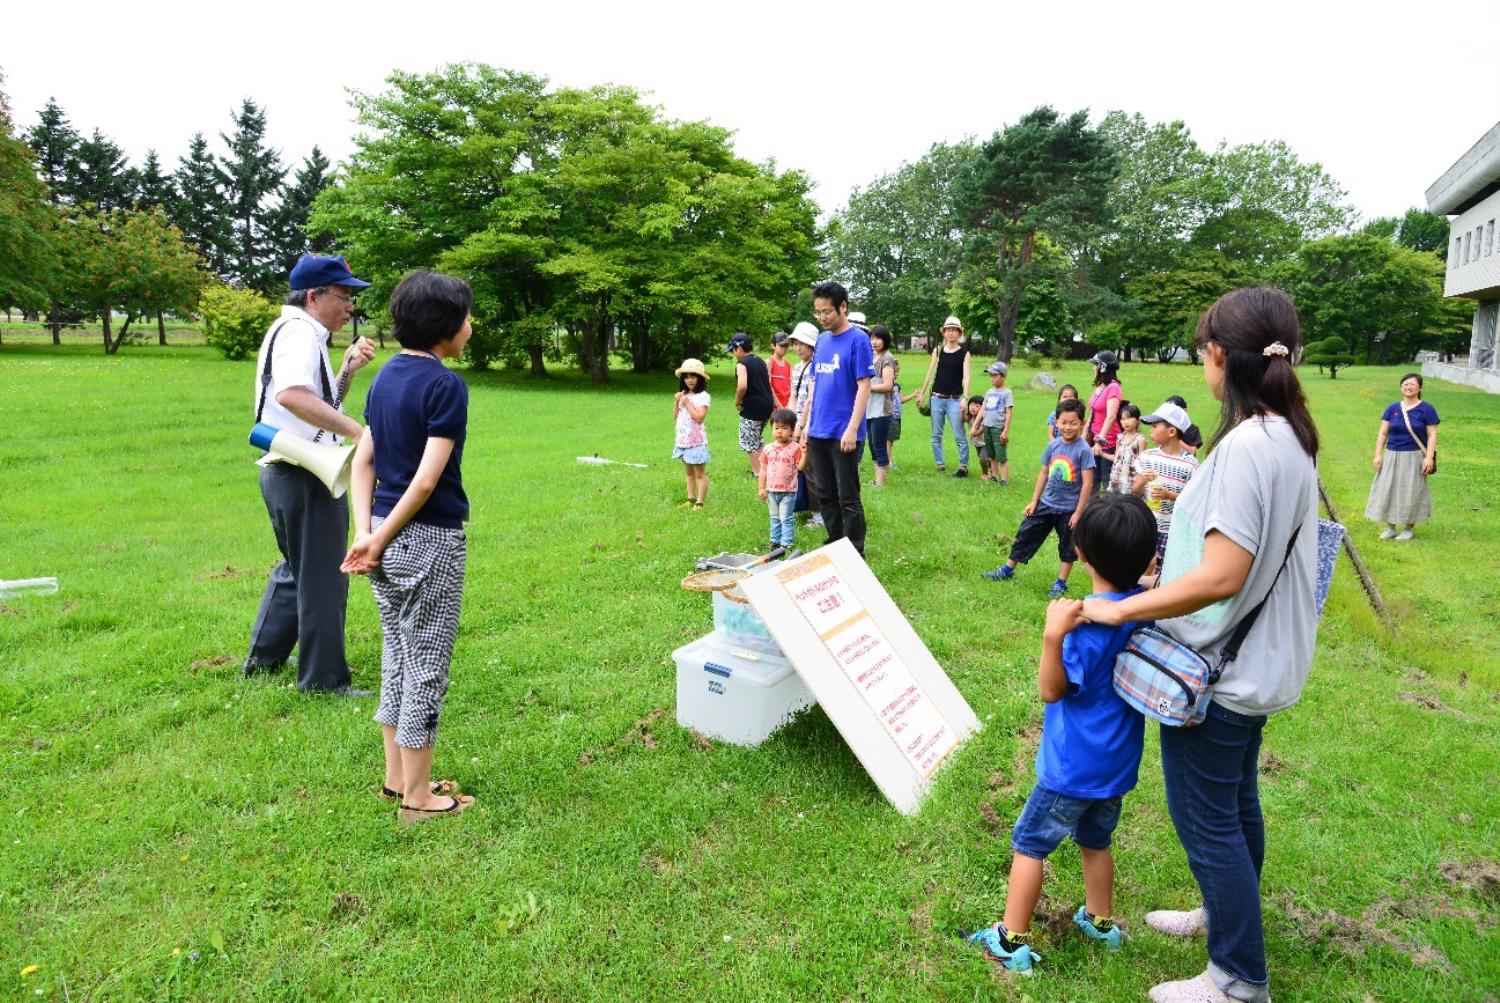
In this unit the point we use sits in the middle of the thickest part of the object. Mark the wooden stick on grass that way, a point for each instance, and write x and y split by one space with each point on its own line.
1364 573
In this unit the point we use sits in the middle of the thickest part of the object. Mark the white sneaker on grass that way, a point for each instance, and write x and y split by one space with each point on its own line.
1389 534
1178 922
1405 534
1196 990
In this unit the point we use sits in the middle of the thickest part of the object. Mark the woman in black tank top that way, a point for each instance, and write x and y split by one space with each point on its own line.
948 380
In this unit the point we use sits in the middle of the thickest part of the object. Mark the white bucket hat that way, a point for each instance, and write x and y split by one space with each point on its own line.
805 333
953 321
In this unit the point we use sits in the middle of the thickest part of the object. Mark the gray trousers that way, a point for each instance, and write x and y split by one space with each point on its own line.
306 593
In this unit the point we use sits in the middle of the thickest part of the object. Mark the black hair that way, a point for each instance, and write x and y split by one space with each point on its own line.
1129 410
784 416
884 334
977 399
835 294
1070 406
428 308
1177 399
1243 323
1106 375
1067 386
682 383
1413 376
1116 535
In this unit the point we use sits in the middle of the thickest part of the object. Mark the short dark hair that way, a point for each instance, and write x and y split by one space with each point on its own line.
834 293
1116 535
428 308
1129 410
883 333
1413 376
1177 399
1070 406
784 416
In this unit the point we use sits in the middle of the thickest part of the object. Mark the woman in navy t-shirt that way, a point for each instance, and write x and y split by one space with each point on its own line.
1405 455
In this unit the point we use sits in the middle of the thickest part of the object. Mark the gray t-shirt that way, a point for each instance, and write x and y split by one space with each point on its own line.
1256 487
879 404
995 404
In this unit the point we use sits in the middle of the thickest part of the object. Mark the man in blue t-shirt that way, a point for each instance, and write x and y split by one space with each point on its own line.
843 365
1063 485
1090 751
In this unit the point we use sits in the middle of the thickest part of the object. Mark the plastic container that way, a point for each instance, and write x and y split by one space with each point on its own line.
741 626
733 694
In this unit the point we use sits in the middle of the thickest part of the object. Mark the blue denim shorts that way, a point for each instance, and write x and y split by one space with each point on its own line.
1049 816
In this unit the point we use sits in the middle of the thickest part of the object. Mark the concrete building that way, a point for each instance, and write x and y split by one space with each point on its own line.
1469 191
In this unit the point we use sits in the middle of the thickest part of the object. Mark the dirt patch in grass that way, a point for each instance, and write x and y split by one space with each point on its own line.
702 742
639 734
1272 764
227 571
10 610
1432 703
1356 936
1482 876
346 905
211 663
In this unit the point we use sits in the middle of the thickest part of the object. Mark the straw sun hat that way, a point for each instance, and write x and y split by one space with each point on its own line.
692 366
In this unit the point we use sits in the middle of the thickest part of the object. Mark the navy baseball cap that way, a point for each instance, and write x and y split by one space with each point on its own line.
740 340
314 270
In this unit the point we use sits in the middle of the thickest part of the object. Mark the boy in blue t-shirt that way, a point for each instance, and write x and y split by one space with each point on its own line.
409 512
1091 739
1065 482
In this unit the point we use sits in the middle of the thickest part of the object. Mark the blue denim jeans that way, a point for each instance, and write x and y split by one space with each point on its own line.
782 505
949 409
877 432
1213 795
1050 817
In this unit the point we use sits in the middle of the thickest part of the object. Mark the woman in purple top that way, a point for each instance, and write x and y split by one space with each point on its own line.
1405 455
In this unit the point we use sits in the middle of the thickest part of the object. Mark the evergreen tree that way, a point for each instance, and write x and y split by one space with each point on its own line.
296 205
200 210
26 222
250 177
56 145
153 188
99 175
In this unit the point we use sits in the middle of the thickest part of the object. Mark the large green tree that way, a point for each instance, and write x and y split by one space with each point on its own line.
292 238
1384 300
99 175
250 177
1261 202
26 221
584 221
1044 175
896 243
56 144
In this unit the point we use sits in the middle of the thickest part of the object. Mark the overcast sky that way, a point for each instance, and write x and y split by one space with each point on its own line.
1385 95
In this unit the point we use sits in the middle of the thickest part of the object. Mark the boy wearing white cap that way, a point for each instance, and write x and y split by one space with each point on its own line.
1165 469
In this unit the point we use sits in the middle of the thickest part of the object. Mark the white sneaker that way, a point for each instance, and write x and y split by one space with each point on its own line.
1195 990
1389 534
1178 922
1405 534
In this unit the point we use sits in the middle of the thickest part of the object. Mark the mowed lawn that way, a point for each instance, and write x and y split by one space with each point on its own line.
173 830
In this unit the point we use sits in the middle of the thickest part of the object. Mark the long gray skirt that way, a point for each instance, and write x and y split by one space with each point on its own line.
1399 494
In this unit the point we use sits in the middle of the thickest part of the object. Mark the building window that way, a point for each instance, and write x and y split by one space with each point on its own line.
1468 244
1458 246
1489 238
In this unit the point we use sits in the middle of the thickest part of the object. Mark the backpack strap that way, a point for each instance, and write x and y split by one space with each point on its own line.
265 377
1231 649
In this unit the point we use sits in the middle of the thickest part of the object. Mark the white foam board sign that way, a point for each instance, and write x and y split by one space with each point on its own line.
895 706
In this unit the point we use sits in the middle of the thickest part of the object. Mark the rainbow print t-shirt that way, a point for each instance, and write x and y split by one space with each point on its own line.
1065 463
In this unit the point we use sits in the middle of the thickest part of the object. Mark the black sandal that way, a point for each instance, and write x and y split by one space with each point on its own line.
442 787
414 816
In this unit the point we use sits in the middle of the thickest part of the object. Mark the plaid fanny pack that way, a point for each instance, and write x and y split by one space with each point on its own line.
1172 682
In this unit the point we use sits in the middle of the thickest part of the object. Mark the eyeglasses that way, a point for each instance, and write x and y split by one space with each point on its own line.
342 296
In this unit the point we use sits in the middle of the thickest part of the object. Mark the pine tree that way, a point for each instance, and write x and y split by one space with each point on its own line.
296 205
99 174
153 188
55 142
200 210
250 177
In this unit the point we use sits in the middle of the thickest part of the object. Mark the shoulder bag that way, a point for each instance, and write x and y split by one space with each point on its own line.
1407 418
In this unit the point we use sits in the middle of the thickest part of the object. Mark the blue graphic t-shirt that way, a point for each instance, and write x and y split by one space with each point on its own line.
1065 463
839 361
1091 739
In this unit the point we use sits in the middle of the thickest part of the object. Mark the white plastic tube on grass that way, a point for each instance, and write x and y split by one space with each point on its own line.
27 587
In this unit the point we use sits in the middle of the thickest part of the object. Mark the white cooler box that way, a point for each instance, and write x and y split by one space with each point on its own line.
735 694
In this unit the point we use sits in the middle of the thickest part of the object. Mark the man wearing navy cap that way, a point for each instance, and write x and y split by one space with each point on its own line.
297 391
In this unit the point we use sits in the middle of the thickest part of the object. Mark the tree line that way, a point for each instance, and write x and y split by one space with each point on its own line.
89 235
1057 235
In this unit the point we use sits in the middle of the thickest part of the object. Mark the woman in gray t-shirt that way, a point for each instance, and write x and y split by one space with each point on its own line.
1232 530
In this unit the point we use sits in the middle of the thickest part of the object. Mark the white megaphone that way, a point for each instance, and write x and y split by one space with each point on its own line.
329 464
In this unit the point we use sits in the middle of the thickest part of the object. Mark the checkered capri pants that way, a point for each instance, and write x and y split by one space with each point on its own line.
419 587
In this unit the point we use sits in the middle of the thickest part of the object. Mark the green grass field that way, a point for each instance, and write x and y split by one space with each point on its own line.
172 830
